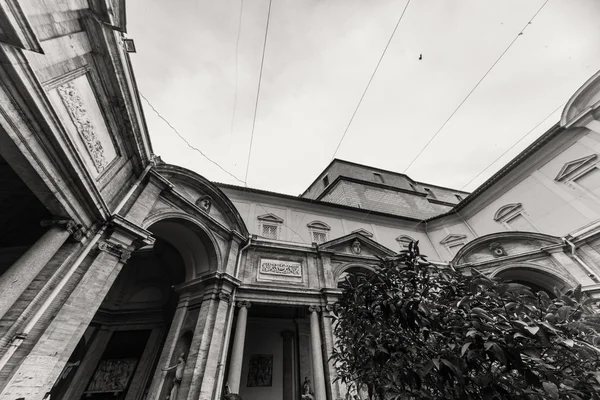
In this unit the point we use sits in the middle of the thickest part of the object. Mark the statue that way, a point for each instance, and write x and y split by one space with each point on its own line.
178 376
307 392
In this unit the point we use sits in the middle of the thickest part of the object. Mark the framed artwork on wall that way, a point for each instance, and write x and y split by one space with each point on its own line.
260 370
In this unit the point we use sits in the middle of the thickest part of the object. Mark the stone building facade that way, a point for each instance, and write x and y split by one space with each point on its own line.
113 264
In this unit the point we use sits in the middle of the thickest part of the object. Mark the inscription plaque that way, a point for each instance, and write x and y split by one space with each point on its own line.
278 267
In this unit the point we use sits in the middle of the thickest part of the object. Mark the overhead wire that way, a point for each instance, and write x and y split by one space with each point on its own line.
467 97
370 79
237 77
365 90
188 143
209 159
475 87
513 146
262 62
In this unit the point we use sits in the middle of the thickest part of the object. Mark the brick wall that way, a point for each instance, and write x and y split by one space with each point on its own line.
383 200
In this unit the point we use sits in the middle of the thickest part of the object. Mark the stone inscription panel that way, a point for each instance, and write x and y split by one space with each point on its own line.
280 271
278 267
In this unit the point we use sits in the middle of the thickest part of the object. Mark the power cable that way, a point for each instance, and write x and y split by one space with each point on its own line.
475 87
237 77
214 162
365 91
188 143
370 79
262 62
511 147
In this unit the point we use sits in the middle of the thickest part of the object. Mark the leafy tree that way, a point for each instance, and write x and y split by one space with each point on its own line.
415 331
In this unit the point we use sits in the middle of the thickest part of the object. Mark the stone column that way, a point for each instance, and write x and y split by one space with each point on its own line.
237 350
36 373
288 365
317 354
333 387
20 275
168 351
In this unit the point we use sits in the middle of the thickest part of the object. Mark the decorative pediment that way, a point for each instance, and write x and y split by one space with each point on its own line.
318 225
572 167
404 239
363 232
453 238
507 210
356 244
270 218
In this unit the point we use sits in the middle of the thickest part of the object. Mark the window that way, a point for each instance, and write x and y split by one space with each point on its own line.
318 231
269 226
326 181
269 231
514 218
583 175
378 177
453 243
404 241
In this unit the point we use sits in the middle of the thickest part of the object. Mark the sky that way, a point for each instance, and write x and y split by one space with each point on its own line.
319 57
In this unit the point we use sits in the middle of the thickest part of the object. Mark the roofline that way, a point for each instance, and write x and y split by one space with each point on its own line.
512 164
378 169
318 202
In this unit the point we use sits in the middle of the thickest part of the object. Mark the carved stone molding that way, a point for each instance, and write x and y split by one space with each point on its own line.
83 124
205 203
69 225
246 304
116 250
226 297
313 309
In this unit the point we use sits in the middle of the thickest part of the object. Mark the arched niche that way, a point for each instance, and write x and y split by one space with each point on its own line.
534 276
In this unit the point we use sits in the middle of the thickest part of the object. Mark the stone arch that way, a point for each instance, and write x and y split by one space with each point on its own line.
191 237
585 98
512 242
340 273
206 189
535 276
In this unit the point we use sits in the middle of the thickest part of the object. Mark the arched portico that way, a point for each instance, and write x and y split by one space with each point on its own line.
145 321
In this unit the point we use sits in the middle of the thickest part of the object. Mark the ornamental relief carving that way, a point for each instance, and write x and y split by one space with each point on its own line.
83 124
276 267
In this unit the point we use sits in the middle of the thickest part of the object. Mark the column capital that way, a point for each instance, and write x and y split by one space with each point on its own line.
226 297
115 249
244 303
314 309
69 225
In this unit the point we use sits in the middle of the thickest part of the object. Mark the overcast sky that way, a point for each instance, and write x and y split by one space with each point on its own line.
319 57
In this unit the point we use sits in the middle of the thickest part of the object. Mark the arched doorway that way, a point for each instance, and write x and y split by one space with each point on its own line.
119 353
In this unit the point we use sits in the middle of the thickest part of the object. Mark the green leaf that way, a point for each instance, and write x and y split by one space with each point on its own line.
551 389
464 348
532 329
